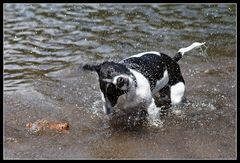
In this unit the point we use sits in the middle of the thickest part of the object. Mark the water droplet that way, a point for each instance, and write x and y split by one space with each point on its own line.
212 107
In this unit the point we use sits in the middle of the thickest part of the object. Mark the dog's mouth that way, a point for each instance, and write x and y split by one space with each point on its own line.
113 88
111 95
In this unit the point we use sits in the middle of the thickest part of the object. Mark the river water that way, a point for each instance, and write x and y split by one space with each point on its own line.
44 44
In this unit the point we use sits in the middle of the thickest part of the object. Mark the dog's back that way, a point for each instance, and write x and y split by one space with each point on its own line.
160 69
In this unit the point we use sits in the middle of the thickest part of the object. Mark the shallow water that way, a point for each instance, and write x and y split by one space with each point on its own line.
45 43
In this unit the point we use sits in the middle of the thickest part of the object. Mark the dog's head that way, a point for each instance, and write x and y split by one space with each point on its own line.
115 80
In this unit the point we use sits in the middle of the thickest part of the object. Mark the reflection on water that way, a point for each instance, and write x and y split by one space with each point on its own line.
45 43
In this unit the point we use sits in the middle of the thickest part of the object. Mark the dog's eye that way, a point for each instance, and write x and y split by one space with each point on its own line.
120 82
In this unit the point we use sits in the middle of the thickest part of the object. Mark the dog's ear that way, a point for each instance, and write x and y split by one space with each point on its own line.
92 67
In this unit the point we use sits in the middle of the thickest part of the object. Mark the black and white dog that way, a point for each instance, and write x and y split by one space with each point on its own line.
132 83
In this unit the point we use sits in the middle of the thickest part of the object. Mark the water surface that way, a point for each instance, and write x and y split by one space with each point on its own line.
44 44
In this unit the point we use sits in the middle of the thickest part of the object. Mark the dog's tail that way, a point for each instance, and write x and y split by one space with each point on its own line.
182 51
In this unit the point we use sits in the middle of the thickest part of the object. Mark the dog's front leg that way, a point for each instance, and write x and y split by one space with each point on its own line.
153 111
